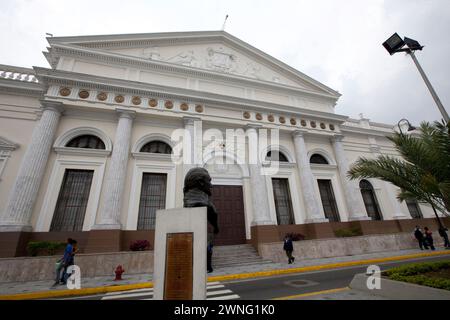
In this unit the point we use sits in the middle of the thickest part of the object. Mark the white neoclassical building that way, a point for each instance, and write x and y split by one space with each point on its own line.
86 144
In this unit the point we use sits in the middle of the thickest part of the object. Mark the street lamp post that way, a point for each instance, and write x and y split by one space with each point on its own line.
410 127
395 44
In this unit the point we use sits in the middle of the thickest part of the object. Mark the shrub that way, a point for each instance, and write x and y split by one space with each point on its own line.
296 236
416 273
46 247
352 232
139 245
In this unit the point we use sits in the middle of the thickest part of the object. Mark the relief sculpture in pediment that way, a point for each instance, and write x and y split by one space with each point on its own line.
220 60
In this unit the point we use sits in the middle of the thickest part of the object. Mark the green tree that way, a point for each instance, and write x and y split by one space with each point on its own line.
423 171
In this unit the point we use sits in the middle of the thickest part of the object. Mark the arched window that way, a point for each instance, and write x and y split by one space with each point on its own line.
414 209
276 156
370 200
156 147
86 141
318 159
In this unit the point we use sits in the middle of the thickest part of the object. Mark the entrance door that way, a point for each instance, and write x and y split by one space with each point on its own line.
229 203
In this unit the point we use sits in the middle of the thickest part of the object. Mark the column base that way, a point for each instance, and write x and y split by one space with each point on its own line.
264 223
399 216
317 220
15 228
360 218
115 226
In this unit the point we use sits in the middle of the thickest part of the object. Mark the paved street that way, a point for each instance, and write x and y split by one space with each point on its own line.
298 286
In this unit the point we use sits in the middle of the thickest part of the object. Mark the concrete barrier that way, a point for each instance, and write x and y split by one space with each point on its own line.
338 247
91 265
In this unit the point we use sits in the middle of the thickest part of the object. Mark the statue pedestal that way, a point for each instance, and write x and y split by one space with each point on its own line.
180 254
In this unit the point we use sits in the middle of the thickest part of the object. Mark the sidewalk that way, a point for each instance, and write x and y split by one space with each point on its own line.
222 274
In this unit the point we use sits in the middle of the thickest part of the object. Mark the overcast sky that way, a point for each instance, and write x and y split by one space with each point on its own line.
336 42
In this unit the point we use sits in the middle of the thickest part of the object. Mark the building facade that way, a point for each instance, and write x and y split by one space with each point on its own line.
86 145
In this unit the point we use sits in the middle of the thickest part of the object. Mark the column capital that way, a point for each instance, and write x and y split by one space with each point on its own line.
52 105
126 113
299 133
337 137
254 126
188 120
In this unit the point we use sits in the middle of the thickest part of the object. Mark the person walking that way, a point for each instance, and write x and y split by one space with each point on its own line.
429 238
443 233
420 238
70 262
289 248
61 265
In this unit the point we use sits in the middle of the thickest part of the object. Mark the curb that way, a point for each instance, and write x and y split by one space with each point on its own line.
258 274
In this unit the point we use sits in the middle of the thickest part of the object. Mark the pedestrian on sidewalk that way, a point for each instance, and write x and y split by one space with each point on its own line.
420 238
62 263
443 233
289 248
429 238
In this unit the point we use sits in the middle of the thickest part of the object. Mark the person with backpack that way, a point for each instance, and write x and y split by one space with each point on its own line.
289 248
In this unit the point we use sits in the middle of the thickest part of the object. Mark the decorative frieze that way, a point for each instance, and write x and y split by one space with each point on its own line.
64 92
102 96
119 98
83 94
136 101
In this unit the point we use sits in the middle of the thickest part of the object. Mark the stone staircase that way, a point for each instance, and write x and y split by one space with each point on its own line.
236 255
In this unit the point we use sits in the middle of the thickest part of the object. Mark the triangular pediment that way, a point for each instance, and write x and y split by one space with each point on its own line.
215 51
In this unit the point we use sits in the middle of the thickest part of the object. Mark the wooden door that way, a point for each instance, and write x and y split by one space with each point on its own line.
229 203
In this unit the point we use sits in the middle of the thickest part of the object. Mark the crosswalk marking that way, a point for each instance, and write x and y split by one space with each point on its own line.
215 293
212 293
230 297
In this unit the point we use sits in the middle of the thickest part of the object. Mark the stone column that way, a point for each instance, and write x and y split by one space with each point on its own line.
392 192
17 216
109 217
261 214
310 197
353 196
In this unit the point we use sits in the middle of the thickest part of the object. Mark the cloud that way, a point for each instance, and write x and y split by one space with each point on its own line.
335 42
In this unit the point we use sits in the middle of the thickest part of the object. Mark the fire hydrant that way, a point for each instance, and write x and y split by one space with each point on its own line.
118 272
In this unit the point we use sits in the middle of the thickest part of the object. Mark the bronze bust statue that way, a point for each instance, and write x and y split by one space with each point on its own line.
197 192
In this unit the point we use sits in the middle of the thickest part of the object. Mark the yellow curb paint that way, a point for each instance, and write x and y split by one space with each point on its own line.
75 292
100 290
309 294
323 267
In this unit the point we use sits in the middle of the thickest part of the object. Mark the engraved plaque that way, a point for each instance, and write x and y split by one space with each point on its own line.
178 279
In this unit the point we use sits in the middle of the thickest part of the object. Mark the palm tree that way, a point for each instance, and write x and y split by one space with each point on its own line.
423 172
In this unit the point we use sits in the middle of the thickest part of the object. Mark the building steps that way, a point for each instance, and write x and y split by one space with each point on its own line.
236 255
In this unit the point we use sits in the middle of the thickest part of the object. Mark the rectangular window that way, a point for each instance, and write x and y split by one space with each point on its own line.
283 204
72 200
328 200
153 197
414 209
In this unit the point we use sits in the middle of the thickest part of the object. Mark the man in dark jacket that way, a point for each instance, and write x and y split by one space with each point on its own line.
443 233
288 247
420 238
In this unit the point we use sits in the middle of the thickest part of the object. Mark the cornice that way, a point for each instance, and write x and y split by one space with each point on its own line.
20 88
58 77
161 66
365 132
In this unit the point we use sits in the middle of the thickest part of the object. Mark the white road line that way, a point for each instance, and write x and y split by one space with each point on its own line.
128 291
215 287
133 295
215 293
212 283
230 297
